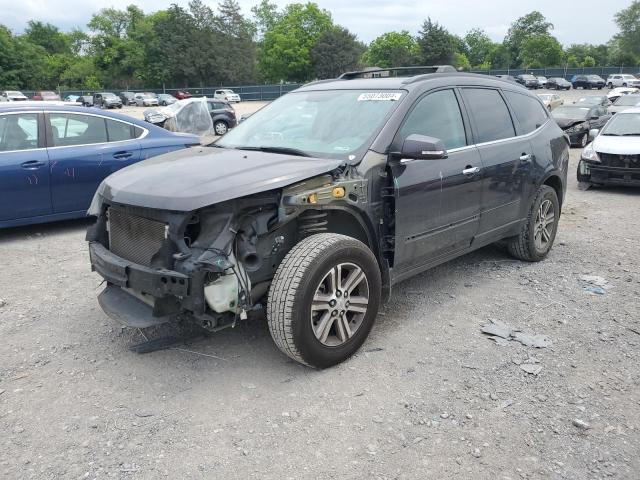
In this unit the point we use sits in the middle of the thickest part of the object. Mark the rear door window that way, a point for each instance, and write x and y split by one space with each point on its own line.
490 113
437 115
72 130
529 112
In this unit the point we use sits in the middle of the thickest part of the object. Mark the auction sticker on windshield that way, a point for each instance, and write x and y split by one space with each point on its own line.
379 96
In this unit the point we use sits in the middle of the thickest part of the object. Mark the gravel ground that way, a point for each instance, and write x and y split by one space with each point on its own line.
428 395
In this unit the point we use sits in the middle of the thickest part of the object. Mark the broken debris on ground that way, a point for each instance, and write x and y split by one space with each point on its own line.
501 333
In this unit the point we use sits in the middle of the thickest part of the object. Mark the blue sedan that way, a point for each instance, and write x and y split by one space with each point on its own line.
52 158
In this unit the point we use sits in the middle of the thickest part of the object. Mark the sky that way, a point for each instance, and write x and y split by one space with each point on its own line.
592 22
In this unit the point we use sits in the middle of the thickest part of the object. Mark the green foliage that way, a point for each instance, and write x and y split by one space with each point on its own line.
285 53
198 45
336 51
437 45
392 49
533 24
479 47
461 62
628 21
541 50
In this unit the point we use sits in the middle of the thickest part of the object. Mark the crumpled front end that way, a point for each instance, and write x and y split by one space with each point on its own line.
208 264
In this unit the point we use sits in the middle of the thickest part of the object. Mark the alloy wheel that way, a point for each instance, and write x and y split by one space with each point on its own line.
339 304
544 225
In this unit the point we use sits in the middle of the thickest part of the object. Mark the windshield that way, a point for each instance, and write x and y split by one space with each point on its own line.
13 93
594 77
571 112
528 77
545 97
627 101
623 124
109 95
334 124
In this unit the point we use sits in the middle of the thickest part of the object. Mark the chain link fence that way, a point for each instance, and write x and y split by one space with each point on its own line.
271 92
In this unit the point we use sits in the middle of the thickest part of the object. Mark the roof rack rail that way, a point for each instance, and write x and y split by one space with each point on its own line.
377 72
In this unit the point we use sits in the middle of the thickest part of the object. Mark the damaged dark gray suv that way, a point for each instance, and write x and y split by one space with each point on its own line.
320 202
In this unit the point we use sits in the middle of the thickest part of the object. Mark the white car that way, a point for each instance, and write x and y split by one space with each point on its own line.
622 80
227 94
542 82
618 92
13 96
625 102
146 100
613 157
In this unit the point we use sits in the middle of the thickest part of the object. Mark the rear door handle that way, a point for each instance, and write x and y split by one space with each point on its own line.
525 157
32 165
120 155
469 171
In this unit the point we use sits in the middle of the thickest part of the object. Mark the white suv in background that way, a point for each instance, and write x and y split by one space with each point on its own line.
227 95
622 80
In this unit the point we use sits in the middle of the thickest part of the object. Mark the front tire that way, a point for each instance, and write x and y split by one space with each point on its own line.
536 237
324 299
220 127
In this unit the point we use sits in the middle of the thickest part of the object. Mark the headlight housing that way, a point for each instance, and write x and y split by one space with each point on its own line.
589 154
579 127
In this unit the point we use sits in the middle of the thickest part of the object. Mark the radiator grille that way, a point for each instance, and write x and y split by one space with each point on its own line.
134 238
620 161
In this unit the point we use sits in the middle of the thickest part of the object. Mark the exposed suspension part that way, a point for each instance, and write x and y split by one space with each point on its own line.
312 222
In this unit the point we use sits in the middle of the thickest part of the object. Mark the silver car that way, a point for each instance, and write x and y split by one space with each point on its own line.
146 99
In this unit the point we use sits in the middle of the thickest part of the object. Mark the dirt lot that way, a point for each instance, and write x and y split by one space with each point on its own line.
428 396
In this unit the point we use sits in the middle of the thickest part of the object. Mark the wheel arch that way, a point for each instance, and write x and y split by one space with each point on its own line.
554 181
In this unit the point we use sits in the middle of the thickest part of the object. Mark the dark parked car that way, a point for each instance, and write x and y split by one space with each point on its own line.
51 163
576 121
106 100
528 81
601 100
46 96
588 82
321 201
557 83
127 98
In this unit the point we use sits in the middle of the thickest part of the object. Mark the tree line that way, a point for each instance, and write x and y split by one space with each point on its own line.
201 46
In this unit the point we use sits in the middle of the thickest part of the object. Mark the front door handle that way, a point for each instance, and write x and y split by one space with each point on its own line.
32 165
469 171
122 155
525 157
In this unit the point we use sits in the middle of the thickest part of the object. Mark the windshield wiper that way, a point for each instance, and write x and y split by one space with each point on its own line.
284 150
611 134
631 134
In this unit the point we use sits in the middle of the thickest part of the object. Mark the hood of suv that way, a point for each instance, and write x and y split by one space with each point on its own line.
194 178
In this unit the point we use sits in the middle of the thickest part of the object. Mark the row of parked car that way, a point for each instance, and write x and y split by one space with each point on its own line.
111 100
577 81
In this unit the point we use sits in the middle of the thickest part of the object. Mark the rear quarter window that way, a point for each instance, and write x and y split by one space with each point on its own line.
528 111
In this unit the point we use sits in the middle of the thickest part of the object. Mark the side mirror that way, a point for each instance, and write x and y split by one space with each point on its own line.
593 133
595 117
422 147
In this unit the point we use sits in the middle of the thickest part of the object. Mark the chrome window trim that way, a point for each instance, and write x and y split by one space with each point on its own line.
502 140
145 131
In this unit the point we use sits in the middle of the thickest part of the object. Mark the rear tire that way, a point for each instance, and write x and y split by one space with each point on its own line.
538 232
310 317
